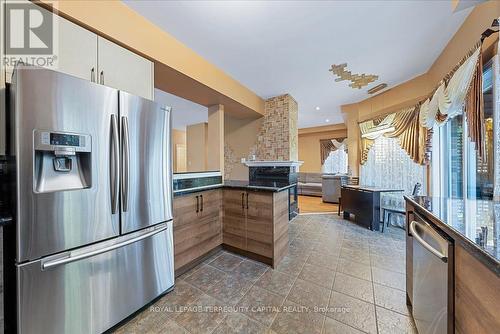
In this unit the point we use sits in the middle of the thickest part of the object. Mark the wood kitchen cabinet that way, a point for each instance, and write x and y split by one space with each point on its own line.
84 54
197 226
234 218
259 224
252 223
477 301
255 223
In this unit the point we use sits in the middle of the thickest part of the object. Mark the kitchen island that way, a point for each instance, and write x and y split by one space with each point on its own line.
472 229
243 217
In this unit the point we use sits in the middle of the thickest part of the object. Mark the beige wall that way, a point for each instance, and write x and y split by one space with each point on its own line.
119 23
178 138
215 133
196 143
240 140
416 89
478 21
309 149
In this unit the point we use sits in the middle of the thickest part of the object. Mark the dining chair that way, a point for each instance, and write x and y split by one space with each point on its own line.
389 211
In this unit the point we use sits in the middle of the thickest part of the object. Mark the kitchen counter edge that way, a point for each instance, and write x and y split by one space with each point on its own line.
489 261
230 186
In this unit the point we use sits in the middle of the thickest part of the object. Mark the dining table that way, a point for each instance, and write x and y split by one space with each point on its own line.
363 202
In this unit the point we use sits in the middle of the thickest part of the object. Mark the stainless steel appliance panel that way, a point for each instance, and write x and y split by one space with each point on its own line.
146 197
91 289
432 256
53 221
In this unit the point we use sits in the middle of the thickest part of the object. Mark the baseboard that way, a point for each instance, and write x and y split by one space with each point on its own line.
250 255
185 268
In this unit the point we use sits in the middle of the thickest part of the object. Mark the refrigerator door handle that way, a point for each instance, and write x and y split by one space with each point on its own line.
125 163
114 164
72 258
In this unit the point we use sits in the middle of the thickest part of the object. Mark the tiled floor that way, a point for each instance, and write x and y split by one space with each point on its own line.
337 278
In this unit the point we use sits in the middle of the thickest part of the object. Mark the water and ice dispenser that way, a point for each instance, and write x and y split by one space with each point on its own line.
63 161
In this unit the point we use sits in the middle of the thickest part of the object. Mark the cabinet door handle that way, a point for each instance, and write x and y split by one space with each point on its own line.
201 196
242 200
92 74
247 201
197 204
101 78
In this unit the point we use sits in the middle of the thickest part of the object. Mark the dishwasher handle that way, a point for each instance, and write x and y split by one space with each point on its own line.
417 237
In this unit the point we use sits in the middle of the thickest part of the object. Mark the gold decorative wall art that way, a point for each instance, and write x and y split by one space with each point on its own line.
357 80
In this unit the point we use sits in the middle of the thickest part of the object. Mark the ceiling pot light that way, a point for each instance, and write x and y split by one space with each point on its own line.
317 108
327 120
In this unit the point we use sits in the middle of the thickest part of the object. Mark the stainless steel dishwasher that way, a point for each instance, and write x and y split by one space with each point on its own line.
432 278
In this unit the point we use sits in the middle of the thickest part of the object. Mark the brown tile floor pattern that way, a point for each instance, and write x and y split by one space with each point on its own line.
337 278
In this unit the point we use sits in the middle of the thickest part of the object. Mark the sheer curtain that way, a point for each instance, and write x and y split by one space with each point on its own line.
336 163
389 166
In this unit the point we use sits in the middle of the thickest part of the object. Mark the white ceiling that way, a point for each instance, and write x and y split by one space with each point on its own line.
184 112
276 47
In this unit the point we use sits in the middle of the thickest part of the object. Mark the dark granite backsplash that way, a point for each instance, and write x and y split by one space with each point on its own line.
184 184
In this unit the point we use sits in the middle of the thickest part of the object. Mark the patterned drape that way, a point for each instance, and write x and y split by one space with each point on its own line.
329 145
460 91
473 108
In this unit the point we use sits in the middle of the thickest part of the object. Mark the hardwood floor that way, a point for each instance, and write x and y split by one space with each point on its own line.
311 204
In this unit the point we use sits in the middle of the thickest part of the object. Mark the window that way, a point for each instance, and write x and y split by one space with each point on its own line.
389 166
457 170
336 163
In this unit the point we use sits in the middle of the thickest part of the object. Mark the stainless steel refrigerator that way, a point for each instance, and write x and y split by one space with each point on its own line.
93 231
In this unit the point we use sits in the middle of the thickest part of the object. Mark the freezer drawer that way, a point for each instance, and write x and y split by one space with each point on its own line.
92 289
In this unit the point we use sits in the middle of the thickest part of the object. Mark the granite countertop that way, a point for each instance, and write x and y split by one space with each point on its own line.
235 184
261 185
373 189
463 220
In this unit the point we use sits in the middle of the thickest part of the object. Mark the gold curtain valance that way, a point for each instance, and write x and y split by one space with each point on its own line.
329 145
405 126
460 91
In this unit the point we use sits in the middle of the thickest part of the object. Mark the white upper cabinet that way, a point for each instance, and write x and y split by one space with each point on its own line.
76 47
125 70
77 53
84 54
